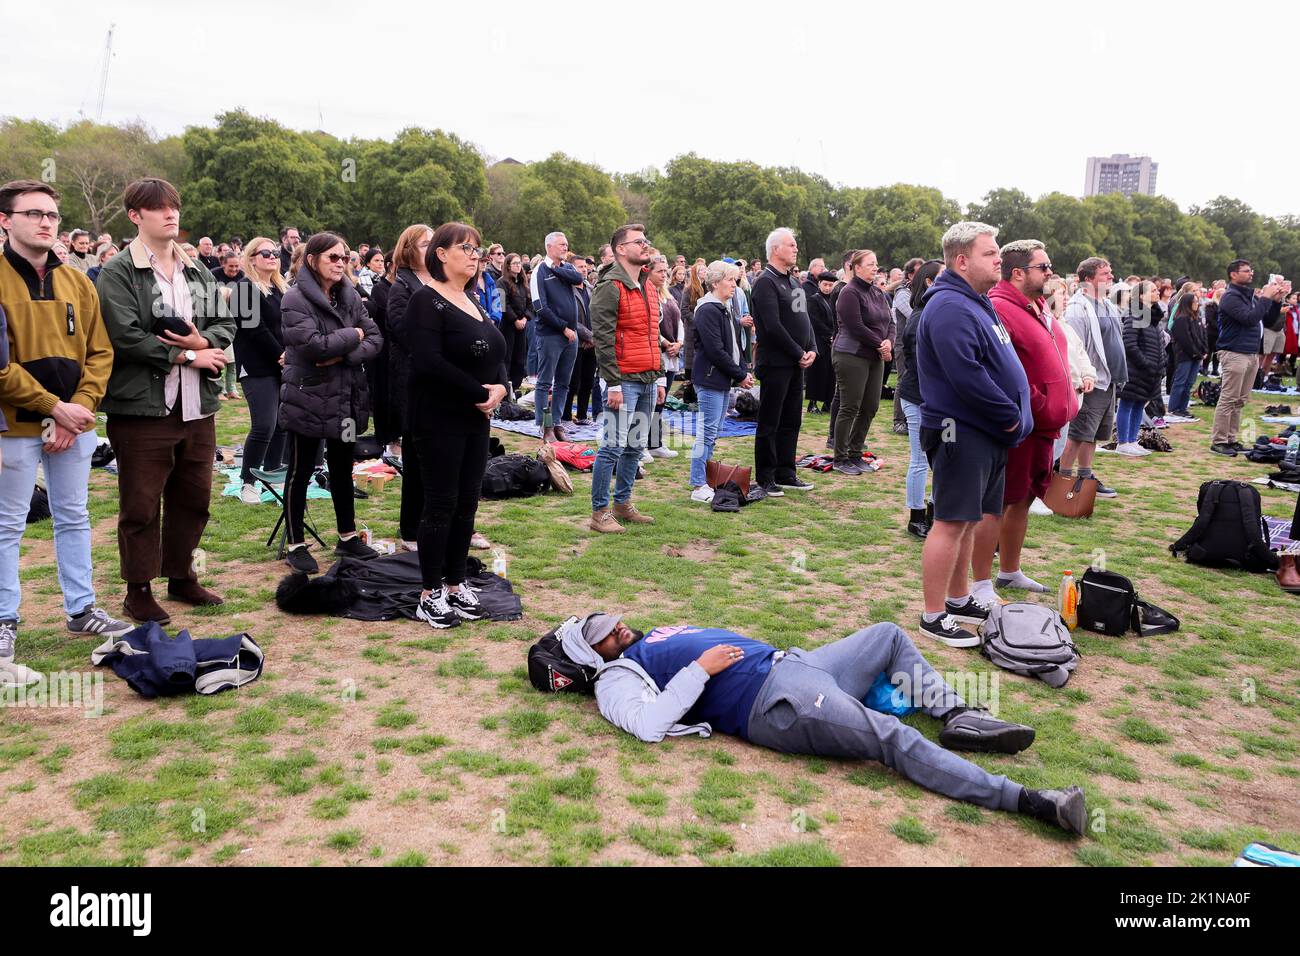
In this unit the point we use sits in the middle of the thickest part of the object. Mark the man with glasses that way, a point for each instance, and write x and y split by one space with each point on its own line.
1043 350
625 328
162 400
1243 314
61 362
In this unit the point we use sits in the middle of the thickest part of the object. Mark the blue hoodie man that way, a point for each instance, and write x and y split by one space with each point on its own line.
974 407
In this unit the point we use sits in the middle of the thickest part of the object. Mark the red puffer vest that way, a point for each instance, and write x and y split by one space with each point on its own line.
636 337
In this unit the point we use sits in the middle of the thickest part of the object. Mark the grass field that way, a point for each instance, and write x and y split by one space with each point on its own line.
390 744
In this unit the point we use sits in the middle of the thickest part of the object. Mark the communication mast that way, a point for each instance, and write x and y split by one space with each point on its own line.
103 76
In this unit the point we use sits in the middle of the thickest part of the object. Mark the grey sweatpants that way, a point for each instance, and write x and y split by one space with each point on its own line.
811 703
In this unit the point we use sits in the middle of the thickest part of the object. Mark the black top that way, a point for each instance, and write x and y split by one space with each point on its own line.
784 332
909 386
258 339
453 354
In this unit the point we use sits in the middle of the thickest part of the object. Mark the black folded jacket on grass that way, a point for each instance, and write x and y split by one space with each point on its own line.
386 588
155 665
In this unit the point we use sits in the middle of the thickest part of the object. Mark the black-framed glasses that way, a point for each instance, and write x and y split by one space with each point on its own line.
643 242
35 216
265 253
471 250
1045 266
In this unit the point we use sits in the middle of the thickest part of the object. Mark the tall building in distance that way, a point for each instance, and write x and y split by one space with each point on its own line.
1120 173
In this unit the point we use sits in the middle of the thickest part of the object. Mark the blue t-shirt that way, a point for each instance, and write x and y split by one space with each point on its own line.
728 696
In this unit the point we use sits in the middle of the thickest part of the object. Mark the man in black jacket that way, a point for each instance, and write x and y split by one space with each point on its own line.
785 348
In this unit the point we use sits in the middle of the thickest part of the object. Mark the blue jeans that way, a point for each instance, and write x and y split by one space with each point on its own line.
713 408
1129 420
530 335
918 465
67 479
555 358
623 434
1184 379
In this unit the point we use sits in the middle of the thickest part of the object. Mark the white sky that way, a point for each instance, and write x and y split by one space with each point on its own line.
1014 95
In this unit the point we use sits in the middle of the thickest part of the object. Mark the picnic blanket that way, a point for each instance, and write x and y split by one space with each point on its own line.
1279 485
674 423
1280 419
1289 390
572 432
234 483
1279 537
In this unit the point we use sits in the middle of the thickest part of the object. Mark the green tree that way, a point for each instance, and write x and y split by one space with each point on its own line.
1114 232
1012 212
590 209
898 222
1066 230
1246 230
816 226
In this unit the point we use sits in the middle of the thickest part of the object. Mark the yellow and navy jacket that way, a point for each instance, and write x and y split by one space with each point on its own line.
59 350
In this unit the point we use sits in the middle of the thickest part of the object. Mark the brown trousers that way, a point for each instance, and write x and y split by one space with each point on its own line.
163 461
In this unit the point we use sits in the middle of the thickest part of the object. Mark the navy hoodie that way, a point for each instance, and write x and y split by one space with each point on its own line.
967 366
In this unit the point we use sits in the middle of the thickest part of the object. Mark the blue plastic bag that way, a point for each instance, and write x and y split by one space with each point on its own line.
884 697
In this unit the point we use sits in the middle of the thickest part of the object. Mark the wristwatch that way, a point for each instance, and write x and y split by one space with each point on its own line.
189 355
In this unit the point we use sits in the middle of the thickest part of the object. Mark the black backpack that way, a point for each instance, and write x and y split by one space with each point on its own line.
1109 604
1208 392
514 476
552 672
1265 452
1229 530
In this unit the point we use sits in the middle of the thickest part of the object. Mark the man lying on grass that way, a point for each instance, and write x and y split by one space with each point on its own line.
691 680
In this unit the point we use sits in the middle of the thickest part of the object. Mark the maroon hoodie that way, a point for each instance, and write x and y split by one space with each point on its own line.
1044 353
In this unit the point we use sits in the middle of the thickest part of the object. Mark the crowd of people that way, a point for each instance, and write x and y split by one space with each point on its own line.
1007 373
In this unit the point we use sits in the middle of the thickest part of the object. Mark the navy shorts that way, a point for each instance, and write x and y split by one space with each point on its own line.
969 473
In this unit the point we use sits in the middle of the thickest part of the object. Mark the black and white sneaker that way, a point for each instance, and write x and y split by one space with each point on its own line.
970 611
8 638
1104 491
436 612
465 603
95 622
795 484
772 490
974 728
945 629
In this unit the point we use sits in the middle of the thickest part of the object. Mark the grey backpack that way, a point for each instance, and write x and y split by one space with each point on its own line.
1029 639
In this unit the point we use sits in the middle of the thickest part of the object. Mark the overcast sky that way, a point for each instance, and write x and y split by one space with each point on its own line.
975 96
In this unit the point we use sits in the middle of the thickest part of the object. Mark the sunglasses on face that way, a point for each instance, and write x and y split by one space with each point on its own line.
336 257
265 253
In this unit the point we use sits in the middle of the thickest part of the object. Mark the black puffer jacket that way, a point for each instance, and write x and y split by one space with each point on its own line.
1145 352
399 359
320 400
1188 333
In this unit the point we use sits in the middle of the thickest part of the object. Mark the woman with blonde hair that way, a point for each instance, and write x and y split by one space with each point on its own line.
259 357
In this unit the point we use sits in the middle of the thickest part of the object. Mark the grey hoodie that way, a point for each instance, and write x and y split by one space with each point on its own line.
630 699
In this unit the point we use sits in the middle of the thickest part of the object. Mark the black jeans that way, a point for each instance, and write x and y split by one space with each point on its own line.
656 438
516 351
780 414
264 446
412 489
452 468
302 461
580 385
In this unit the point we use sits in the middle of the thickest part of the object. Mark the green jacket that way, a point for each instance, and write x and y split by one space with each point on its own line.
128 292
612 279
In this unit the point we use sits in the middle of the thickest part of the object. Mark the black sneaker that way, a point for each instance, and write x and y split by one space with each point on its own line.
1104 491
945 629
1236 446
969 611
465 603
300 559
1226 450
756 493
795 484
974 728
436 612
1062 808
354 547
772 490
847 468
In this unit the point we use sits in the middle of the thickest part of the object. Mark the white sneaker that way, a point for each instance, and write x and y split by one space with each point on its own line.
1038 508
647 458
1131 448
662 452
250 495
703 493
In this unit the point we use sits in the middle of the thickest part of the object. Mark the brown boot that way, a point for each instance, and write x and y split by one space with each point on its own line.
1288 575
628 512
603 521
191 592
141 607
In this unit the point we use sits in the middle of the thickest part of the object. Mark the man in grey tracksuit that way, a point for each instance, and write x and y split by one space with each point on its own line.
677 681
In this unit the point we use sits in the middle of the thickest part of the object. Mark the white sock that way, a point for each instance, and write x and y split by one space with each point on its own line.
347 537
931 616
956 600
1018 579
982 587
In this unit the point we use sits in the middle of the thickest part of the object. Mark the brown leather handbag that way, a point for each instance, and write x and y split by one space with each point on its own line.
1288 574
1071 497
716 474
